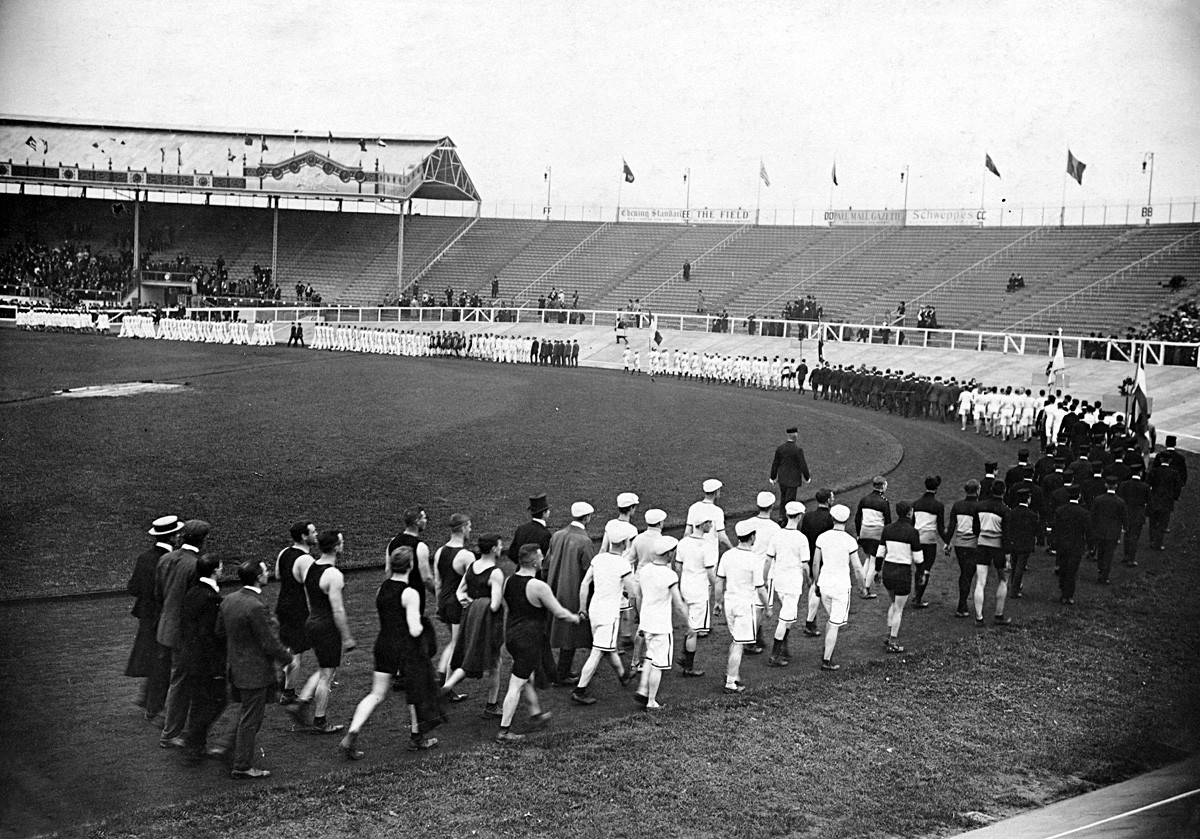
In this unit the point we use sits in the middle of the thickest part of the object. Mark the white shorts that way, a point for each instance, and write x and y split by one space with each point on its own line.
740 617
660 650
789 605
837 606
604 635
700 616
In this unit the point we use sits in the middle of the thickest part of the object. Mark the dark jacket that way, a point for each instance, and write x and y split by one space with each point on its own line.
1137 498
1021 529
1072 528
530 532
146 605
252 640
1110 514
814 523
203 650
789 466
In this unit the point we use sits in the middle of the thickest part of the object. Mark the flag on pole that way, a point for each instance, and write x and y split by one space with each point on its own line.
627 171
265 147
835 183
1141 400
762 173
1075 167
1057 364
362 145
32 143
991 167
381 144
249 140
45 146
654 330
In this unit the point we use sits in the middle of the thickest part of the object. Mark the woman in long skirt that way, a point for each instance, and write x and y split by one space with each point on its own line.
477 651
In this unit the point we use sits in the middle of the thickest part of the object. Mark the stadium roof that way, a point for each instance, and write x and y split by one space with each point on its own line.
172 158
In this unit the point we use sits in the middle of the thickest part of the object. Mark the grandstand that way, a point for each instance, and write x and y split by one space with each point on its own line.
1097 278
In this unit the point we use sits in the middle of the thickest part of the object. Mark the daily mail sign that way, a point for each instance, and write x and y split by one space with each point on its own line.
678 216
864 218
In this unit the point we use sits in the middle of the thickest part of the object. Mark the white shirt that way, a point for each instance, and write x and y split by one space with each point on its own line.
742 571
707 509
656 582
695 559
789 549
836 547
608 570
765 530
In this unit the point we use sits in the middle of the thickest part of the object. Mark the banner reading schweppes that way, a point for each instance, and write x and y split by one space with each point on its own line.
680 216
864 218
946 216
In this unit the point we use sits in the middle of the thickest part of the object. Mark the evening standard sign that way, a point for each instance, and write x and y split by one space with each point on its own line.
864 218
948 217
678 216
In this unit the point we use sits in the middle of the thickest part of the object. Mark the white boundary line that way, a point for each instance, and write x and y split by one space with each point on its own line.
1123 815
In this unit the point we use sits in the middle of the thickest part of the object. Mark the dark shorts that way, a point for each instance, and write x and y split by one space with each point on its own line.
526 652
326 642
897 578
388 657
450 612
870 547
293 636
985 555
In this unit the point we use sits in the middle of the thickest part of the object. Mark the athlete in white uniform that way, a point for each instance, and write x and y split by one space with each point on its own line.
611 579
741 588
837 556
697 563
660 597
788 558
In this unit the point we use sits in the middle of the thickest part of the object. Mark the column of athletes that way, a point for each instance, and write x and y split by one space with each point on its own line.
619 602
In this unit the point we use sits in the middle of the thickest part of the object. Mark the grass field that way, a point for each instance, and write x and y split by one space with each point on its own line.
972 721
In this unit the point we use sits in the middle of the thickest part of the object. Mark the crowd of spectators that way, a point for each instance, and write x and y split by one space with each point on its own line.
69 270
214 281
806 309
1183 325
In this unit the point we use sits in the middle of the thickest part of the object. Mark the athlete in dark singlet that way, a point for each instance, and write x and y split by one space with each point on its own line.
292 606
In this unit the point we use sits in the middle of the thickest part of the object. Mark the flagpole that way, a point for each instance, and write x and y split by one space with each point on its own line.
1062 218
758 197
620 185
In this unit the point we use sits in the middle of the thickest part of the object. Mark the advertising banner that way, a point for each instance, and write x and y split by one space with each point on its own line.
679 216
947 217
864 218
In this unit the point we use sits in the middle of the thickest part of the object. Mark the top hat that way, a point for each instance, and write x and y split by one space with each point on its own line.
538 504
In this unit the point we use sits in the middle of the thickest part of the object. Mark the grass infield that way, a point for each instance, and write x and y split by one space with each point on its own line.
990 722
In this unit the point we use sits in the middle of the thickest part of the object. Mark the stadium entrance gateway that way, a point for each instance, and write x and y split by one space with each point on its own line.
133 165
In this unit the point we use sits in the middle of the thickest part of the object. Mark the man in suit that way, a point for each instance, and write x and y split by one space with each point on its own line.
1165 487
1174 460
148 658
789 470
254 654
203 658
571 552
1109 516
175 574
1137 498
533 531
1072 529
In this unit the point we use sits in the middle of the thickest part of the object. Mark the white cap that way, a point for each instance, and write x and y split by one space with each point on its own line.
665 544
840 513
580 509
655 516
619 531
745 528
712 485
793 508
627 499
765 499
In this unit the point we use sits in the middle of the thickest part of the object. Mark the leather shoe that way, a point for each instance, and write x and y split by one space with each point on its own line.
249 774
173 743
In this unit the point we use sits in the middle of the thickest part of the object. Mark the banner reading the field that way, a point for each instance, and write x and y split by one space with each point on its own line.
864 218
947 217
678 216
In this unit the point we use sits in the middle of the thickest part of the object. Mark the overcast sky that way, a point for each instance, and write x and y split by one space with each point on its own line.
714 86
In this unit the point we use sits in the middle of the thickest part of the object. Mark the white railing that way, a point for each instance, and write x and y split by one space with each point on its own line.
869 241
1173 353
566 256
987 260
719 246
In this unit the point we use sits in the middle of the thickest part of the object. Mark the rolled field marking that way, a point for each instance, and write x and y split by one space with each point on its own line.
119 389
1142 809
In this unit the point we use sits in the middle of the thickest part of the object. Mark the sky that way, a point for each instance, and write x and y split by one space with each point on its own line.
710 87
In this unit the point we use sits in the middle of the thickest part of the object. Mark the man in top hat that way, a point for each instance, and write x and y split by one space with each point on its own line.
789 470
174 575
1165 486
1021 471
570 554
1174 460
1136 495
148 658
533 531
1109 516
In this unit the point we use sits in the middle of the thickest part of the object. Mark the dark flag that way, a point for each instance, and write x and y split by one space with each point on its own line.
628 172
162 151
835 183
265 147
230 156
1075 167
991 167
45 146
362 145
32 143
118 209
179 157
249 140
